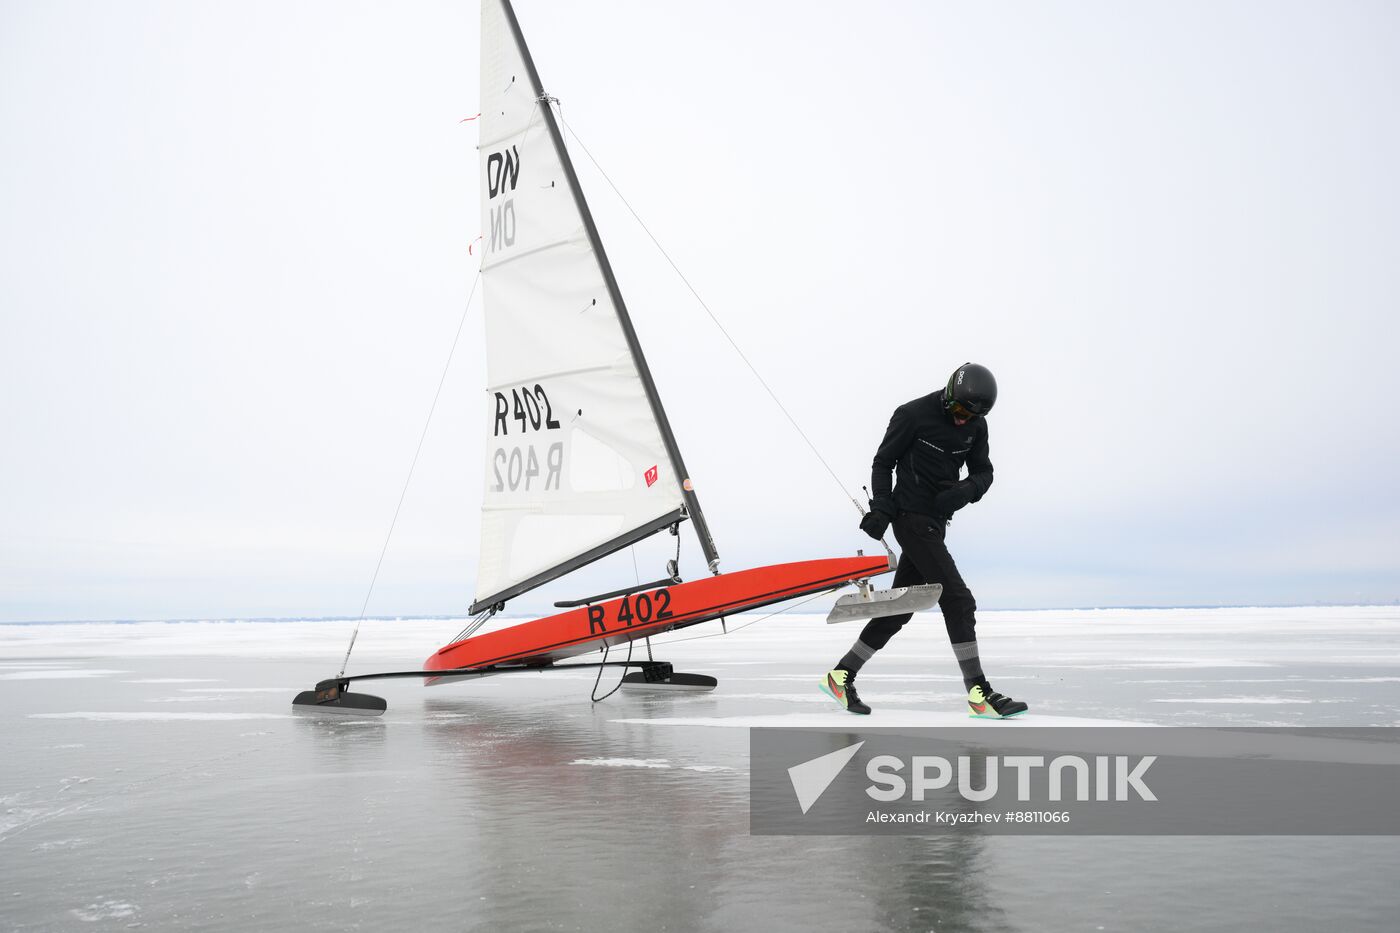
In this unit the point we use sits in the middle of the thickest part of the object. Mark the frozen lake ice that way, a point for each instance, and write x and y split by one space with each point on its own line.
156 778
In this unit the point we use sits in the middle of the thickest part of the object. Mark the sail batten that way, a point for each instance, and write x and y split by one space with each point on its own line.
580 460
508 137
573 372
534 251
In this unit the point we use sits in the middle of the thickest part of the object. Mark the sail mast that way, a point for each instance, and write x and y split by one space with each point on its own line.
692 501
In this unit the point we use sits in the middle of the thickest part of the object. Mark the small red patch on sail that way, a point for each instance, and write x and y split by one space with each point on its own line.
651 476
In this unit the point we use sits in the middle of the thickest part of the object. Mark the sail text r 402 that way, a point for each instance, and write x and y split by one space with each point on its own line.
534 414
636 609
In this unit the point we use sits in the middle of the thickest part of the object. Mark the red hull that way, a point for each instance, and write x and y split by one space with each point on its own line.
652 612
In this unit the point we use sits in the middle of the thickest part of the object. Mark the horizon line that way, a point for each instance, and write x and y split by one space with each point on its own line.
446 618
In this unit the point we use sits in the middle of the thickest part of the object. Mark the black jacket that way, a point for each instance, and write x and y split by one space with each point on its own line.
929 451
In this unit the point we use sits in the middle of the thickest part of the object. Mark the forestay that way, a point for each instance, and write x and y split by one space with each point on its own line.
576 462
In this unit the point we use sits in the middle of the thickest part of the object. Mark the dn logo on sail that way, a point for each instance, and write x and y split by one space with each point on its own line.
502 171
502 175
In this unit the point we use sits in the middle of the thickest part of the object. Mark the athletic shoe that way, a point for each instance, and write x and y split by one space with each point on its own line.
986 703
840 685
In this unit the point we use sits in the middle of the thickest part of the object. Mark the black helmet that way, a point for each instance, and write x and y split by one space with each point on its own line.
973 388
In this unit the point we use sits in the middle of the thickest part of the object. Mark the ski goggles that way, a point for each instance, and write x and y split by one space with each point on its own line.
960 410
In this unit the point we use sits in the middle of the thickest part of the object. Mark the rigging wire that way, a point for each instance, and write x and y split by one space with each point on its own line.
404 492
715 320
676 641
477 621
740 628
481 618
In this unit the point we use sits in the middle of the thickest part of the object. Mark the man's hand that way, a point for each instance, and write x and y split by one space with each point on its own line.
884 505
874 524
877 520
951 499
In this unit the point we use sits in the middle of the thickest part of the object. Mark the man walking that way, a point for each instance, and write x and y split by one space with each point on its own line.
929 440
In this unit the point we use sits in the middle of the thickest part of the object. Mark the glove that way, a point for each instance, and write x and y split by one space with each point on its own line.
874 524
884 505
951 499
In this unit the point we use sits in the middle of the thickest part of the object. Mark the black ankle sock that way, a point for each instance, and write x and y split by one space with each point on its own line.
969 662
852 661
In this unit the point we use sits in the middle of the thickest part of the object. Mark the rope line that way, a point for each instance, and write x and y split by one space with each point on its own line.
408 479
676 641
599 679
481 619
798 605
715 320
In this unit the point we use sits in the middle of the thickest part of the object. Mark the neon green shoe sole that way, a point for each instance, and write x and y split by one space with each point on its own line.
836 686
992 705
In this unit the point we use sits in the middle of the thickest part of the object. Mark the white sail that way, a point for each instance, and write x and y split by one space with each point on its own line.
576 464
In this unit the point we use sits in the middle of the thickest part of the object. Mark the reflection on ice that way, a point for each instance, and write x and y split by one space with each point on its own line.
623 762
895 719
1228 701
1160 664
105 910
473 805
886 699
110 716
53 674
173 680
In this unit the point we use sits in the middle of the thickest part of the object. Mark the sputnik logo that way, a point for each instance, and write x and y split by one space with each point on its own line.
651 476
811 778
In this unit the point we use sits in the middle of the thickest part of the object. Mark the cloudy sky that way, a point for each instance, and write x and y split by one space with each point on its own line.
234 252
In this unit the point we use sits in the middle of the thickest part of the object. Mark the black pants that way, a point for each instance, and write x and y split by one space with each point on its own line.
925 559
